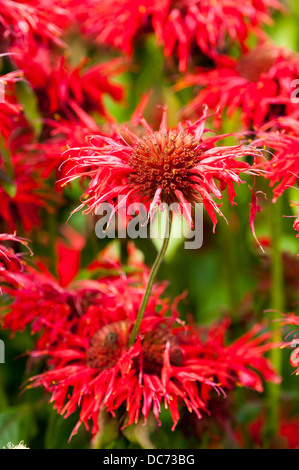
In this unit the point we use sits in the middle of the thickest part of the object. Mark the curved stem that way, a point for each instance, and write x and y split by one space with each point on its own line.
151 279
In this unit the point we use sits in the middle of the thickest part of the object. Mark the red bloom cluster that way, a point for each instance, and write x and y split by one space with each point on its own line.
40 20
84 328
10 110
282 137
293 319
51 306
72 92
11 262
287 435
259 84
83 320
92 367
38 119
179 25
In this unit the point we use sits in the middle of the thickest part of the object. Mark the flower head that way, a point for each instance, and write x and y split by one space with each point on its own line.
63 91
93 368
170 165
282 136
292 319
50 305
11 117
42 20
259 83
179 25
11 262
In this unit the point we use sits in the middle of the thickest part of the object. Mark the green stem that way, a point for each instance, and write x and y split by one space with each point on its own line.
228 241
151 279
277 303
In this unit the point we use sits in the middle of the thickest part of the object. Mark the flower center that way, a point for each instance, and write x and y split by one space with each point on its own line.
256 62
165 159
107 345
153 347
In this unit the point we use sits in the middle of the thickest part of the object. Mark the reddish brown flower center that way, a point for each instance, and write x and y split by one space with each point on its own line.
256 62
165 159
153 347
107 345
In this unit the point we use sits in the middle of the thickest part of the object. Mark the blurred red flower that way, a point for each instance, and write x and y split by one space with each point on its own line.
10 261
259 84
63 91
11 112
178 24
51 306
282 137
39 19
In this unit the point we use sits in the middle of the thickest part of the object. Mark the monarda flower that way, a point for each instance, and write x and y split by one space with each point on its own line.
179 25
292 319
282 137
51 306
170 165
93 368
24 19
64 91
28 194
11 261
12 119
259 84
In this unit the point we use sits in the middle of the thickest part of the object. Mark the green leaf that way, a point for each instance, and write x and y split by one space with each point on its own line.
16 424
108 430
28 99
140 433
59 429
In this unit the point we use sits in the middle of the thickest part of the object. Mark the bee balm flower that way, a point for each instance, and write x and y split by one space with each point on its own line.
169 366
170 165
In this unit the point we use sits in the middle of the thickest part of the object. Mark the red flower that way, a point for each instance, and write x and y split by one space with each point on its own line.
178 24
259 84
282 137
65 92
10 261
244 357
11 118
27 18
286 436
292 319
46 156
170 165
20 206
51 306
92 367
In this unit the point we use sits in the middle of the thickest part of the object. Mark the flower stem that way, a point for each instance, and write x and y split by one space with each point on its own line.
230 252
277 304
151 279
